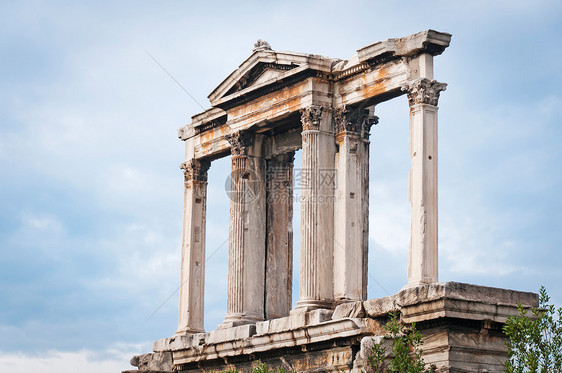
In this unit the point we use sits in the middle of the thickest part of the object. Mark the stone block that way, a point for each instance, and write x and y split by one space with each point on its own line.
380 307
462 301
295 321
178 342
361 363
456 290
230 334
351 309
154 362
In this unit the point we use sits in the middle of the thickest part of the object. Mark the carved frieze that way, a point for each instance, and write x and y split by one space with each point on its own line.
310 117
354 120
195 170
239 142
424 91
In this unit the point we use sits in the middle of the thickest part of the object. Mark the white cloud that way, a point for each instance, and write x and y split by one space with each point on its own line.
114 359
474 245
389 217
99 126
41 222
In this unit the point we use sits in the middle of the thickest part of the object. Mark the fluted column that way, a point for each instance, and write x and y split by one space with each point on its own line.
192 285
247 227
317 209
423 95
279 244
351 215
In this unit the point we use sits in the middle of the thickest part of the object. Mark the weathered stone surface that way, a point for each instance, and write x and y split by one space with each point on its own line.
178 342
451 299
321 334
279 241
380 307
351 309
461 325
294 321
192 283
339 358
316 286
154 362
247 230
351 218
461 291
274 104
230 334
361 362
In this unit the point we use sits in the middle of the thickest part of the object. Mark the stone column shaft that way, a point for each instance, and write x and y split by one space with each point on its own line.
317 209
279 245
247 227
351 216
423 95
192 285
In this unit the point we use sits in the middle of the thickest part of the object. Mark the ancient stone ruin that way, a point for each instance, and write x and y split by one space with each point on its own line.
274 104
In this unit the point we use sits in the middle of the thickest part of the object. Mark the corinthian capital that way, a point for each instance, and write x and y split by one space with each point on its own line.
239 142
424 91
195 169
354 120
310 117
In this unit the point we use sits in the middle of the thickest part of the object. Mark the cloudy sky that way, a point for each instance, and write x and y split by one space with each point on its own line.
91 192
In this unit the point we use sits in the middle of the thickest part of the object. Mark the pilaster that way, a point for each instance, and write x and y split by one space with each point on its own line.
192 285
423 96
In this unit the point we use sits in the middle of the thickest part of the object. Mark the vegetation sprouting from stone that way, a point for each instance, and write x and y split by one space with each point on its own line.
534 341
406 350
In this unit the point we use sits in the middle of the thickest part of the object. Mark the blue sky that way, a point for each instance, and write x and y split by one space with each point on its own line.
90 213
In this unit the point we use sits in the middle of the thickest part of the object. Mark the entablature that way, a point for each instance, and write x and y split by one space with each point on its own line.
270 88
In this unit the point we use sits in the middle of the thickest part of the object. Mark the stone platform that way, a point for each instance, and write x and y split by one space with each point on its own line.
461 325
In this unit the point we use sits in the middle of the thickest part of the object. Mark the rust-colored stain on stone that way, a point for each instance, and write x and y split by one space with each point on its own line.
370 89
271 105
208 139
332 328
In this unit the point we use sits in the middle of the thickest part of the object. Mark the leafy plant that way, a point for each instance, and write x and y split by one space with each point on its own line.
534 341
406 351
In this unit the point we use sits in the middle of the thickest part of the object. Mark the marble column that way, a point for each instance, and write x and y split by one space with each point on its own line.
192 285
351 215
279 243
423 95
317 181
247 228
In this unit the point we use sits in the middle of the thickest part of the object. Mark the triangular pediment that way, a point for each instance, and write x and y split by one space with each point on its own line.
260 74
264 67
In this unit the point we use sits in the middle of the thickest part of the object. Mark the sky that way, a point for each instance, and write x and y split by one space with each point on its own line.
91 192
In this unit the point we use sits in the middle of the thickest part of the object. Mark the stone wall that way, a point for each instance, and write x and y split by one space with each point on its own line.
461 325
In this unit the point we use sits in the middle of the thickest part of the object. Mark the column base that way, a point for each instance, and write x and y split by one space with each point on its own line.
189 331
343 300
235 320
413 284
311 305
